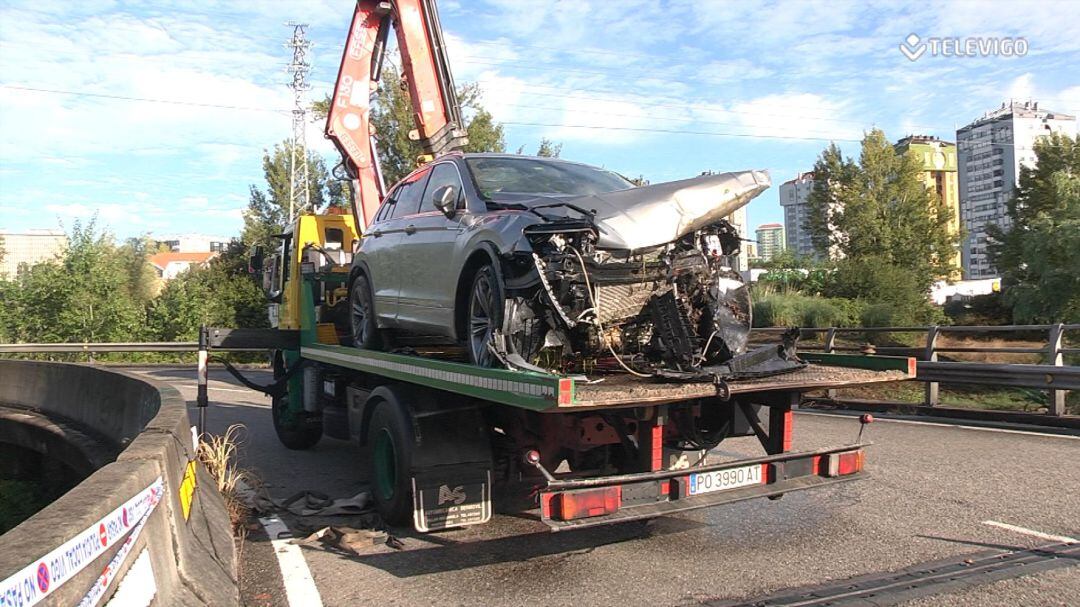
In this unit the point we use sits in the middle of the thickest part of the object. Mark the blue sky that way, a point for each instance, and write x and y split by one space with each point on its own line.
661 89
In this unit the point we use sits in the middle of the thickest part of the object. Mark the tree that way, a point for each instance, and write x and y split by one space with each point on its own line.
1037 257
833 176
220 294
546 149
85 295
143 279
879 209
268 211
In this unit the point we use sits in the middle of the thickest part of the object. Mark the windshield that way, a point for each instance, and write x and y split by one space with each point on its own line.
532 176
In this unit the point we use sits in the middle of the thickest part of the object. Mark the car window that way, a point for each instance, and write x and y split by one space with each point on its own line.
441 175
386 211
410 192
538 176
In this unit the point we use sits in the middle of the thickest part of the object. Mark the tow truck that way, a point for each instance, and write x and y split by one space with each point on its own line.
447 443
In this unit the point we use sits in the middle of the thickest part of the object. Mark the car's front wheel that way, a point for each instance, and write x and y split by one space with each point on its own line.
365 331
485 315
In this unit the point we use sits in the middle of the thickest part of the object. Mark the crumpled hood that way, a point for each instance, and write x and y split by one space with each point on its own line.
648 216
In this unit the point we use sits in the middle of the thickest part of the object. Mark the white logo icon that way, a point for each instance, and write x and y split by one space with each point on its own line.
456 495
912 47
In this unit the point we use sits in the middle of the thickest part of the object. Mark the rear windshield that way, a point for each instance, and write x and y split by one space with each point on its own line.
533 176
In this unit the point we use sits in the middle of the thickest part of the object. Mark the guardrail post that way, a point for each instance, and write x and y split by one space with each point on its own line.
932 387
1056 404
202 399
830 344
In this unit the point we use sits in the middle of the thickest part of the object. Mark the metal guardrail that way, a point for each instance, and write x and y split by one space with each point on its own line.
220 339
1053 376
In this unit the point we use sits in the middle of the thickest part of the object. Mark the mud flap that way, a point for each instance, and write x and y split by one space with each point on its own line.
451 466
455 497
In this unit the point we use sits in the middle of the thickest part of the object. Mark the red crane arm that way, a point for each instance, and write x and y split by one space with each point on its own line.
425 68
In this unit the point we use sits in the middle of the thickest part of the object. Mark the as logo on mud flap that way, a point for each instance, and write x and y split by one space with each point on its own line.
456 495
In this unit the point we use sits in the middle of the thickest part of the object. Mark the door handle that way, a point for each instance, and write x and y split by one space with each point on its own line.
410 229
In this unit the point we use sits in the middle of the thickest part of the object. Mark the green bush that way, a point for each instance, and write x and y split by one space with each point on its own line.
794 310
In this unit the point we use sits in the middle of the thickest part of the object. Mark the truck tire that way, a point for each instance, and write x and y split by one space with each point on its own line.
301 432
389 450
484 315
365 330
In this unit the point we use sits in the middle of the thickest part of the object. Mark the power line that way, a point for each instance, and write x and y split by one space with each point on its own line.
32 89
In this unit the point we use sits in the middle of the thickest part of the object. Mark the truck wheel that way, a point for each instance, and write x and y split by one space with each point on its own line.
300 432
365 331
485 315
389 444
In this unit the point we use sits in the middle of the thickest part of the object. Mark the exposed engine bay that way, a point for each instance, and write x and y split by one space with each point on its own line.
675 311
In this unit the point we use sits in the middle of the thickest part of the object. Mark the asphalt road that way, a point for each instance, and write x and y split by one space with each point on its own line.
933 487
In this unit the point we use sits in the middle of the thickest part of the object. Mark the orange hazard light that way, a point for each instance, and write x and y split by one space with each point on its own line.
586 503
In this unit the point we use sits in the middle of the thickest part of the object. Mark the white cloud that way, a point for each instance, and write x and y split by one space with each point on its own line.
796 115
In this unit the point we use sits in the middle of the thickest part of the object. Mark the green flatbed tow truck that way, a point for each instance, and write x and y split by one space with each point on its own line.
447 443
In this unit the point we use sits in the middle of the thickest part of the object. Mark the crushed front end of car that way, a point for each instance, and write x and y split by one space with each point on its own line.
643 281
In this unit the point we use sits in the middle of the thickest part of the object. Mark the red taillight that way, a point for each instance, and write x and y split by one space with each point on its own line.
585 503
841 464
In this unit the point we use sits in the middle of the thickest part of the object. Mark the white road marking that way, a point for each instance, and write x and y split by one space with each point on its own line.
1039 534
300 589
943 425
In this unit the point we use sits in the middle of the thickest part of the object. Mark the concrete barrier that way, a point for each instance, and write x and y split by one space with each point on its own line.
149 524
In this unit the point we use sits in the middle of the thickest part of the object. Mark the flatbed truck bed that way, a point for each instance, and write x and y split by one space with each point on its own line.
554 393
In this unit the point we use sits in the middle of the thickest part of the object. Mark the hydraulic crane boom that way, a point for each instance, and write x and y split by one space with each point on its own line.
426 71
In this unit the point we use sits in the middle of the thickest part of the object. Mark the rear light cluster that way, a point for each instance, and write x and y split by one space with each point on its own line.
585 503
842 464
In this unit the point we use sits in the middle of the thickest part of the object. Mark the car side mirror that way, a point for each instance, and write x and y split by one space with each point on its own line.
255 263
445 199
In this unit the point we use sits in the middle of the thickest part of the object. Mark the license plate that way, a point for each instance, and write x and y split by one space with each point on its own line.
719 480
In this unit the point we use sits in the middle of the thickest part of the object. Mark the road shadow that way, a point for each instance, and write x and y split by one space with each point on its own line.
454 555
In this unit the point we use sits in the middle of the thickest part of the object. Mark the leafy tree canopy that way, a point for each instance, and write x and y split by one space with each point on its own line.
1038 257
879 209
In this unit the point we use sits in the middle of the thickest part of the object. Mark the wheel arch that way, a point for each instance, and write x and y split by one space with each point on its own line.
485 254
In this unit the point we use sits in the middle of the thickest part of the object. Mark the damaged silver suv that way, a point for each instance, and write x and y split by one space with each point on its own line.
548 265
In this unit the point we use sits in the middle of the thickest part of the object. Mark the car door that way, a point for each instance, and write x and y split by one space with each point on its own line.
381 249
429 236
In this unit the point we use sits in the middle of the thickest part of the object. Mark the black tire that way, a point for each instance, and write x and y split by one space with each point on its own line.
484 314
389 435
365 330
302 432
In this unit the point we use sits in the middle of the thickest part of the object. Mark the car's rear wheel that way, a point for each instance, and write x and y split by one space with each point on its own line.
365 331
485 315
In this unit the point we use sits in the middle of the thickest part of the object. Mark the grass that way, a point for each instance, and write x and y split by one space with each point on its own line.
218 454
962 396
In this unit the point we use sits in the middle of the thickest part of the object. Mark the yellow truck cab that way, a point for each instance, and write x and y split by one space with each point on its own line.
316 243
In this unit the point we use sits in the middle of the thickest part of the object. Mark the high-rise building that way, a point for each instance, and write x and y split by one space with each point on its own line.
770 239
990 152
795 197
28 247
938 160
